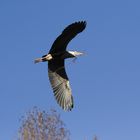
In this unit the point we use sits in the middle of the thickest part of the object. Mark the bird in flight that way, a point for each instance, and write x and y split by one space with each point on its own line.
56 67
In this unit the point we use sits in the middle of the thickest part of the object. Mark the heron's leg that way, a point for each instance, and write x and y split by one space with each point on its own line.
74 59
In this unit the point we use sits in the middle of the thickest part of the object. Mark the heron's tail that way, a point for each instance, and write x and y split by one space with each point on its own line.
38 60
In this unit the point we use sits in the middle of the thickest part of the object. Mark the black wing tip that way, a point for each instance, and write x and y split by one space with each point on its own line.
77 26
71 106
68 109
83 22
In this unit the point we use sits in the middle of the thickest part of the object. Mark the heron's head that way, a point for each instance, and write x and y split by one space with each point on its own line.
75 53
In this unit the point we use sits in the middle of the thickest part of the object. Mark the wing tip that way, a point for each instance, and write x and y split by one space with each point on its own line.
77 26
83 22
69 108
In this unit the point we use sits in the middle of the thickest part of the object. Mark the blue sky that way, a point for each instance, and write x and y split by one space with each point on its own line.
105 82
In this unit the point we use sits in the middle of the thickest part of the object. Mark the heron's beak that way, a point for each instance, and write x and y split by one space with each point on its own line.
78 53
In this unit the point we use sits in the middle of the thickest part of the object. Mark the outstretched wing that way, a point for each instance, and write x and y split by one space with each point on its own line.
60 84
67 35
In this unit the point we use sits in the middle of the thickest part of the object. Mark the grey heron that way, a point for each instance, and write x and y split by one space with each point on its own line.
56 67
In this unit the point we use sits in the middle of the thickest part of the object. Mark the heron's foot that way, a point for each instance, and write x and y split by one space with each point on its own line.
74 59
